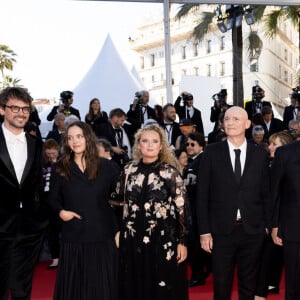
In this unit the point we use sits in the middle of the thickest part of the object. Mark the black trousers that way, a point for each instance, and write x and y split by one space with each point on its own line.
270 267
198 259
291 254
19 255
240 250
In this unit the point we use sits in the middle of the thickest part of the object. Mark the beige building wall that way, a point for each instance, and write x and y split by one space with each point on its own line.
213 57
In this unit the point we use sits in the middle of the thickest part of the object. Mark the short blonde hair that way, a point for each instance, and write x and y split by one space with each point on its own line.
166 154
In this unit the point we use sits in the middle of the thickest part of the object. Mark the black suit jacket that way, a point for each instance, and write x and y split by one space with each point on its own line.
220 196
32 217
288 114
285 191
54 134
107 131
134 117
275 126
176 132
53 112
196 118
249 107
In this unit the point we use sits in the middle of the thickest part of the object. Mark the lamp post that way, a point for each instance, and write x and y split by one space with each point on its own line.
232 20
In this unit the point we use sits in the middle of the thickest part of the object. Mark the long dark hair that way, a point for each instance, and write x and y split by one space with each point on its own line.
90 154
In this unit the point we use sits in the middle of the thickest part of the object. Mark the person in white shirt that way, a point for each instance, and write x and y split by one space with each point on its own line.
23 215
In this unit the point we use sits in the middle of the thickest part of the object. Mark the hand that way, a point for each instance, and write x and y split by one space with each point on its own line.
135 103
67 215
118 150
61 107
277 240
181 253
206 242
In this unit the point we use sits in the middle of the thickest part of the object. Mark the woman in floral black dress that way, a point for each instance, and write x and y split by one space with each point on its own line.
154 227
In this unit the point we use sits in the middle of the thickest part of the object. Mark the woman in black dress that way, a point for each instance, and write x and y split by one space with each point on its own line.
79 190
95 116
154 228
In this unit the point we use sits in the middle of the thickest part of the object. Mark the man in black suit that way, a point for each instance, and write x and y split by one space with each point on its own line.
140 111
285 194
271 124
290 112
233 206
169 125
65 106
198 259
57 133
185 109
256 104
115 131
23 217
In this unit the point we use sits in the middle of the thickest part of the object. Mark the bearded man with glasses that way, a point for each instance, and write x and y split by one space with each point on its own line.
22 215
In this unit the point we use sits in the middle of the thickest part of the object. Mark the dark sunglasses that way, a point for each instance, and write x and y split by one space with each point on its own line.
190 144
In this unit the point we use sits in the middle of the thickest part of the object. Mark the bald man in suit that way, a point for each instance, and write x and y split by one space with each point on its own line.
233 206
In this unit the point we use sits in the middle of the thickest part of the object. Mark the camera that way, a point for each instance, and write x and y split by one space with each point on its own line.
257 93
138 96
220 97
124 157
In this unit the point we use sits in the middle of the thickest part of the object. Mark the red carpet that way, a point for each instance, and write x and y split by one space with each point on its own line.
44 283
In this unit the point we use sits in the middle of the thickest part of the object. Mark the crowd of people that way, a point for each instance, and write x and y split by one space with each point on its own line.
128 201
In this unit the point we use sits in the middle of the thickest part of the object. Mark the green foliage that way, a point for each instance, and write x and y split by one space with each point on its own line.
7 60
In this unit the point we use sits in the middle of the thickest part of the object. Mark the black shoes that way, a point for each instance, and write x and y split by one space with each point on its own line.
273 290
196 282
53 265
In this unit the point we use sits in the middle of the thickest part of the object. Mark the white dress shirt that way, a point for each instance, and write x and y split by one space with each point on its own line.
17 149
243 149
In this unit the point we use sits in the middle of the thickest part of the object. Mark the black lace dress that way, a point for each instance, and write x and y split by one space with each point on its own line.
154 223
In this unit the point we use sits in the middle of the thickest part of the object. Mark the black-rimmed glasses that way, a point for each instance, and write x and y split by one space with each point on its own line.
16 109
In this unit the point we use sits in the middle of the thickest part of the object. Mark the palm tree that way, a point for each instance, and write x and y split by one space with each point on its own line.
277 15
7 59
202 28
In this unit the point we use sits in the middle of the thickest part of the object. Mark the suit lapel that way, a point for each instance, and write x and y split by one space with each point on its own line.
4 155
31 144
226 158
249 158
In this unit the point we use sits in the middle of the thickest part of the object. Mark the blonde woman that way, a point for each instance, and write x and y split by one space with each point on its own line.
154 228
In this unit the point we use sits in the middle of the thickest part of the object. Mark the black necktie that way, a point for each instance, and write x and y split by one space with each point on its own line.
237 165
119 136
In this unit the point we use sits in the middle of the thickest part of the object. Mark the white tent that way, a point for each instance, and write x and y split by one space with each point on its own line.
108 80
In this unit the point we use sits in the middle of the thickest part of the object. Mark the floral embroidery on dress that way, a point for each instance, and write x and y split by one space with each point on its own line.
155 200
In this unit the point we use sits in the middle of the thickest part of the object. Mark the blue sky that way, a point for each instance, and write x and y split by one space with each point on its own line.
57 41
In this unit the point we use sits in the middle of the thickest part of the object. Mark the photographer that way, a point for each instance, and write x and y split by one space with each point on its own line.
65 107
117 134
220 106
291 111
139 111
255 105
186 110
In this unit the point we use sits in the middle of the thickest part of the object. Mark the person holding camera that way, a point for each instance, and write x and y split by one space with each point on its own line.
139 111
65 107
185 109
256 104
220 106
117 133
291 111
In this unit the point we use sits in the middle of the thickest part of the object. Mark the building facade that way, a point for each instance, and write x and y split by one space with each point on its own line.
273 68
